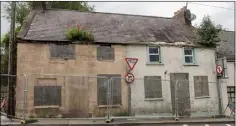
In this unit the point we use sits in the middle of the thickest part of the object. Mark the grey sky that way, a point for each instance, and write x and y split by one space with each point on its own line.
222 16
4 23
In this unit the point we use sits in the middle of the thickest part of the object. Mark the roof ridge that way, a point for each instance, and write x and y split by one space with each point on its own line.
56 9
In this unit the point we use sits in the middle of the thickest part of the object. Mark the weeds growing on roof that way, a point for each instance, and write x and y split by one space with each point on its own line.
77 33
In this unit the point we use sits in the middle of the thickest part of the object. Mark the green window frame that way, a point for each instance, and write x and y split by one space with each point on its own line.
189 55
154 54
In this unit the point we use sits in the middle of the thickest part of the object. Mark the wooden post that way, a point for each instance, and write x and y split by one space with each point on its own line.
10 109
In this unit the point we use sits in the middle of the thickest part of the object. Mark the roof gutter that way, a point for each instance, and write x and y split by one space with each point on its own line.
19 40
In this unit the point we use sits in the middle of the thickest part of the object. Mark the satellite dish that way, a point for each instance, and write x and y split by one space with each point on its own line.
190 16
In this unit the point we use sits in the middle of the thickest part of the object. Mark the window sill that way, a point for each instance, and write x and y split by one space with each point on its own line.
202 97
46 106
62 61
105 106
154 63
106 60
153 99
190 64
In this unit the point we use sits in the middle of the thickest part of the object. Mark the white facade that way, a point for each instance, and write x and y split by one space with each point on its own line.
224 83
172 61
231 73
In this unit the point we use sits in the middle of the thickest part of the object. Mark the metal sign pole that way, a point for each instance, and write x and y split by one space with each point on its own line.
220 62
10 63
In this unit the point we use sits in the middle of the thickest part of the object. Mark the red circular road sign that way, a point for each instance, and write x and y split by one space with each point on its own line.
129 77
219 69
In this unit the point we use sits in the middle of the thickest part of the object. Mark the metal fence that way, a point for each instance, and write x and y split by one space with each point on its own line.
152 97
76 96
15 107
65 96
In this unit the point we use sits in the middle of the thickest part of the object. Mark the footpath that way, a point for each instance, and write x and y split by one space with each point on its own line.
116 122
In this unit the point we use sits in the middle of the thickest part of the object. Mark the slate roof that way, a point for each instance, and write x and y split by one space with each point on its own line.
226 46
106 27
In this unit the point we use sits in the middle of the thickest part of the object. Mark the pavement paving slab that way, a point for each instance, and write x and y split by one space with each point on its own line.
121 122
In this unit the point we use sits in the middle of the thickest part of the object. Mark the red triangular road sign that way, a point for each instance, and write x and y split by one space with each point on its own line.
131 62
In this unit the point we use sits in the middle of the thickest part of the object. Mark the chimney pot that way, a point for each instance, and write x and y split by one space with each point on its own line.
39 5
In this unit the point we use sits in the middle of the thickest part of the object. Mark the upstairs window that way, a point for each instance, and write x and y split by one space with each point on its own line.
105 52
189 56
154 55
64 51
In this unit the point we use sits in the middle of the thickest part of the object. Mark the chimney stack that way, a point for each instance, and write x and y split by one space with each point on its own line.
182 14
38 5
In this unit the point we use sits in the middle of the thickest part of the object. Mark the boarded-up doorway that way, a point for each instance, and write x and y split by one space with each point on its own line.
77 97
182 93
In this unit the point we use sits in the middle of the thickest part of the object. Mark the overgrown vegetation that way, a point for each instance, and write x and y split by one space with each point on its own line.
207 32
5 45
22 10
71 5
78 33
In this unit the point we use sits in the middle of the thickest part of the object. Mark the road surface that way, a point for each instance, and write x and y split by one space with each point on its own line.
196 125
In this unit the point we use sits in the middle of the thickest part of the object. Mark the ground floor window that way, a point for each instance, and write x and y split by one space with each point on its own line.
47 95
231 93
201 87
47 92
152 87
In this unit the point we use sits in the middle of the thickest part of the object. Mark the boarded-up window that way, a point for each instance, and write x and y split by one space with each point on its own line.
103 88
152 86
47 95
201 86
105 52
62 51
231 93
